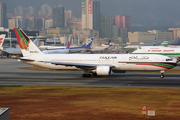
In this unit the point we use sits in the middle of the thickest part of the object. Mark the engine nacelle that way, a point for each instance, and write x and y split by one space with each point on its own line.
103 70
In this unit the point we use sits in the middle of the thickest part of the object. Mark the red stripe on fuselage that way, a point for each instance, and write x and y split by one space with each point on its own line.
156 66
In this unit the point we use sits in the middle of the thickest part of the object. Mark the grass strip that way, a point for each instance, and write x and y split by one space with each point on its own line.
87 103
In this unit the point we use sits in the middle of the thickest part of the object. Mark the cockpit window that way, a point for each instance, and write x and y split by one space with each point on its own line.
169 59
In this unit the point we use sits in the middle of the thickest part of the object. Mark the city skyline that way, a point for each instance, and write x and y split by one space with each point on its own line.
155 13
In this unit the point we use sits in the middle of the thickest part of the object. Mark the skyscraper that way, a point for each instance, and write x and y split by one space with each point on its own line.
123 22
19 10
91 15
58 16
67 15
3 15
46 10
31 10
106 26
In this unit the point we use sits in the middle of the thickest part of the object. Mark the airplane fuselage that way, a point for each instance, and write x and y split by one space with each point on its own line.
169 51
117 61
14 51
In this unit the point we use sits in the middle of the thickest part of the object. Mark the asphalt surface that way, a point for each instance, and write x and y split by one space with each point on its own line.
11 74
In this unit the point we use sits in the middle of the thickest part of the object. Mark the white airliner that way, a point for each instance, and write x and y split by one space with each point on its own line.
168 51
102 47
164 43
97 64
58 51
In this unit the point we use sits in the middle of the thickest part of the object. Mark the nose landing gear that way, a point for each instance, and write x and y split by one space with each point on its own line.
162 73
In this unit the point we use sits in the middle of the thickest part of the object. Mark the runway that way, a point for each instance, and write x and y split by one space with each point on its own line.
10 74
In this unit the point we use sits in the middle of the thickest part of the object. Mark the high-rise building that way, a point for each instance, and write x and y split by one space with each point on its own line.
3 15
106 26
39 23
58 16
22 21
68 15
46 10
31 10
123 22
14 23
75 23
29 23
48 24
19 10
91 15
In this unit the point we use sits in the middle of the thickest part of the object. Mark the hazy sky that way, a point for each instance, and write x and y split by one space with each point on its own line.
145 12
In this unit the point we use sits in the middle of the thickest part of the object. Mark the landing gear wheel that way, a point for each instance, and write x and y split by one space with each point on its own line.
88 75
84 75
162 76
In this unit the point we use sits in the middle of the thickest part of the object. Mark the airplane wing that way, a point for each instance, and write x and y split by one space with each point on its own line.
79 65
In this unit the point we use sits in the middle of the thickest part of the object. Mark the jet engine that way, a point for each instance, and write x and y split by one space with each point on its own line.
103 70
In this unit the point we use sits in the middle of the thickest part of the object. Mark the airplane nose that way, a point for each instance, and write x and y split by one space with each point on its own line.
175 64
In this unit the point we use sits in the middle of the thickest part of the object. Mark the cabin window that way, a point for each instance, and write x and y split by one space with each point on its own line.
169 59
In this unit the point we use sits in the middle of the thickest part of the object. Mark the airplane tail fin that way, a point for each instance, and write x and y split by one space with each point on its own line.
154 42
108 42
2 36
36 41
68 43
88 43
165 43
27 46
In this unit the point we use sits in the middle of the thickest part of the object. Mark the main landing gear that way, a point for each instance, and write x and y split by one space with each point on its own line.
89 75
86 75
162 73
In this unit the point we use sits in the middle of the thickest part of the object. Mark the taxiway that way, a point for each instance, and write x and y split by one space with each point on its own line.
11 74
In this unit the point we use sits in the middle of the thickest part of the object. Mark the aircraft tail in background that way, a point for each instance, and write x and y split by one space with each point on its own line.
68 43
165 43
88 43
154 42
2 36
108 42
36 41
27 46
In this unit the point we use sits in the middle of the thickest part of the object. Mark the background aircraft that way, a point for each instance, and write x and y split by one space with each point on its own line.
102 47
2 36
85 47
165 43
168 51
15 51
58 51
97 64
61 49
154 42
